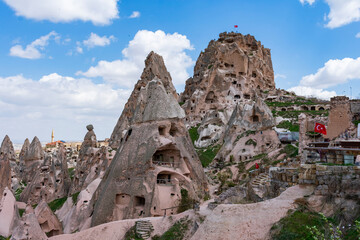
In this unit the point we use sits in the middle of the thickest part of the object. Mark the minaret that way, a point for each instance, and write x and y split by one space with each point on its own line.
52 136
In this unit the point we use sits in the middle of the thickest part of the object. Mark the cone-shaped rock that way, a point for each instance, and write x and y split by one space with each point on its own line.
7 150
24 150
28 227
49 223
34 157
8 212
154 67
7 154
156 165
22 155
35 151
50 181
249 131
88 154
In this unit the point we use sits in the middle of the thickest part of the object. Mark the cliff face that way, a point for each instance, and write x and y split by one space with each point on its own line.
154 68
154 164
233 68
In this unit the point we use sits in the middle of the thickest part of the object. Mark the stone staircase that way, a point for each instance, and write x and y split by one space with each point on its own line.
260 184
144 229
260 180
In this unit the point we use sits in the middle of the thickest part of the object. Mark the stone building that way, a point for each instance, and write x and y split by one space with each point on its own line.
340 116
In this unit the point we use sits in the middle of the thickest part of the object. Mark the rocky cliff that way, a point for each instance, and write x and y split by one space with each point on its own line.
154 67
232 68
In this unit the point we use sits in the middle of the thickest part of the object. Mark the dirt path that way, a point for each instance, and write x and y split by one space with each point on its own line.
248 221
226 221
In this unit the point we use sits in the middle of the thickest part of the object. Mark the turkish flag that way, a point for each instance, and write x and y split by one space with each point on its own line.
236 26
256 166
320 128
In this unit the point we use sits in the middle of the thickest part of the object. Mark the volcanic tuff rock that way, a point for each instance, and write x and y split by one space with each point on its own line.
93 166
154 67
76 215
249 131
7 155
28 227
33 158
7 152
229 70
155 161
92 162
47 220
50 181
22 155
8 212
7 149
90 138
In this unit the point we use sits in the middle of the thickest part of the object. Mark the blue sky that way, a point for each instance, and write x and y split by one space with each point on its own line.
65 64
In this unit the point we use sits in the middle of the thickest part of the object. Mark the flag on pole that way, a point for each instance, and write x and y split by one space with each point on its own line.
320 128
235 26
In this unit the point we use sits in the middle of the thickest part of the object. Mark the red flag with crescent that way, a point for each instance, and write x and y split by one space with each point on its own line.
320 128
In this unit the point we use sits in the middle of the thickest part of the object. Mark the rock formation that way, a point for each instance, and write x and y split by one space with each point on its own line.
28 227
7 150
50 181
8 212
249 131
22 156
7 155
155 163
33 158
47 220
229 70
75 214
90 138
154 67
91 164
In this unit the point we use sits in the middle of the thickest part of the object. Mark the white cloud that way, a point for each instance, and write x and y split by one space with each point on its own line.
126 72
135 14
95 40
99 12
334 72
343 12
33 50
79 49
312 92
357 35
310 2
56 101
277 76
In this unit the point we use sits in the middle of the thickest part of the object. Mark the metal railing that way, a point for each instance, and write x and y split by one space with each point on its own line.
162 163
165 181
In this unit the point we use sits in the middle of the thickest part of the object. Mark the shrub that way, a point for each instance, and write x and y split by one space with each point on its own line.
251 142
176 232
186 202
75 197
57 203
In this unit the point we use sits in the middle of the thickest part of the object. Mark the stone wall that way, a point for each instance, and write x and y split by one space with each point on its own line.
340 116
355 106
338 181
